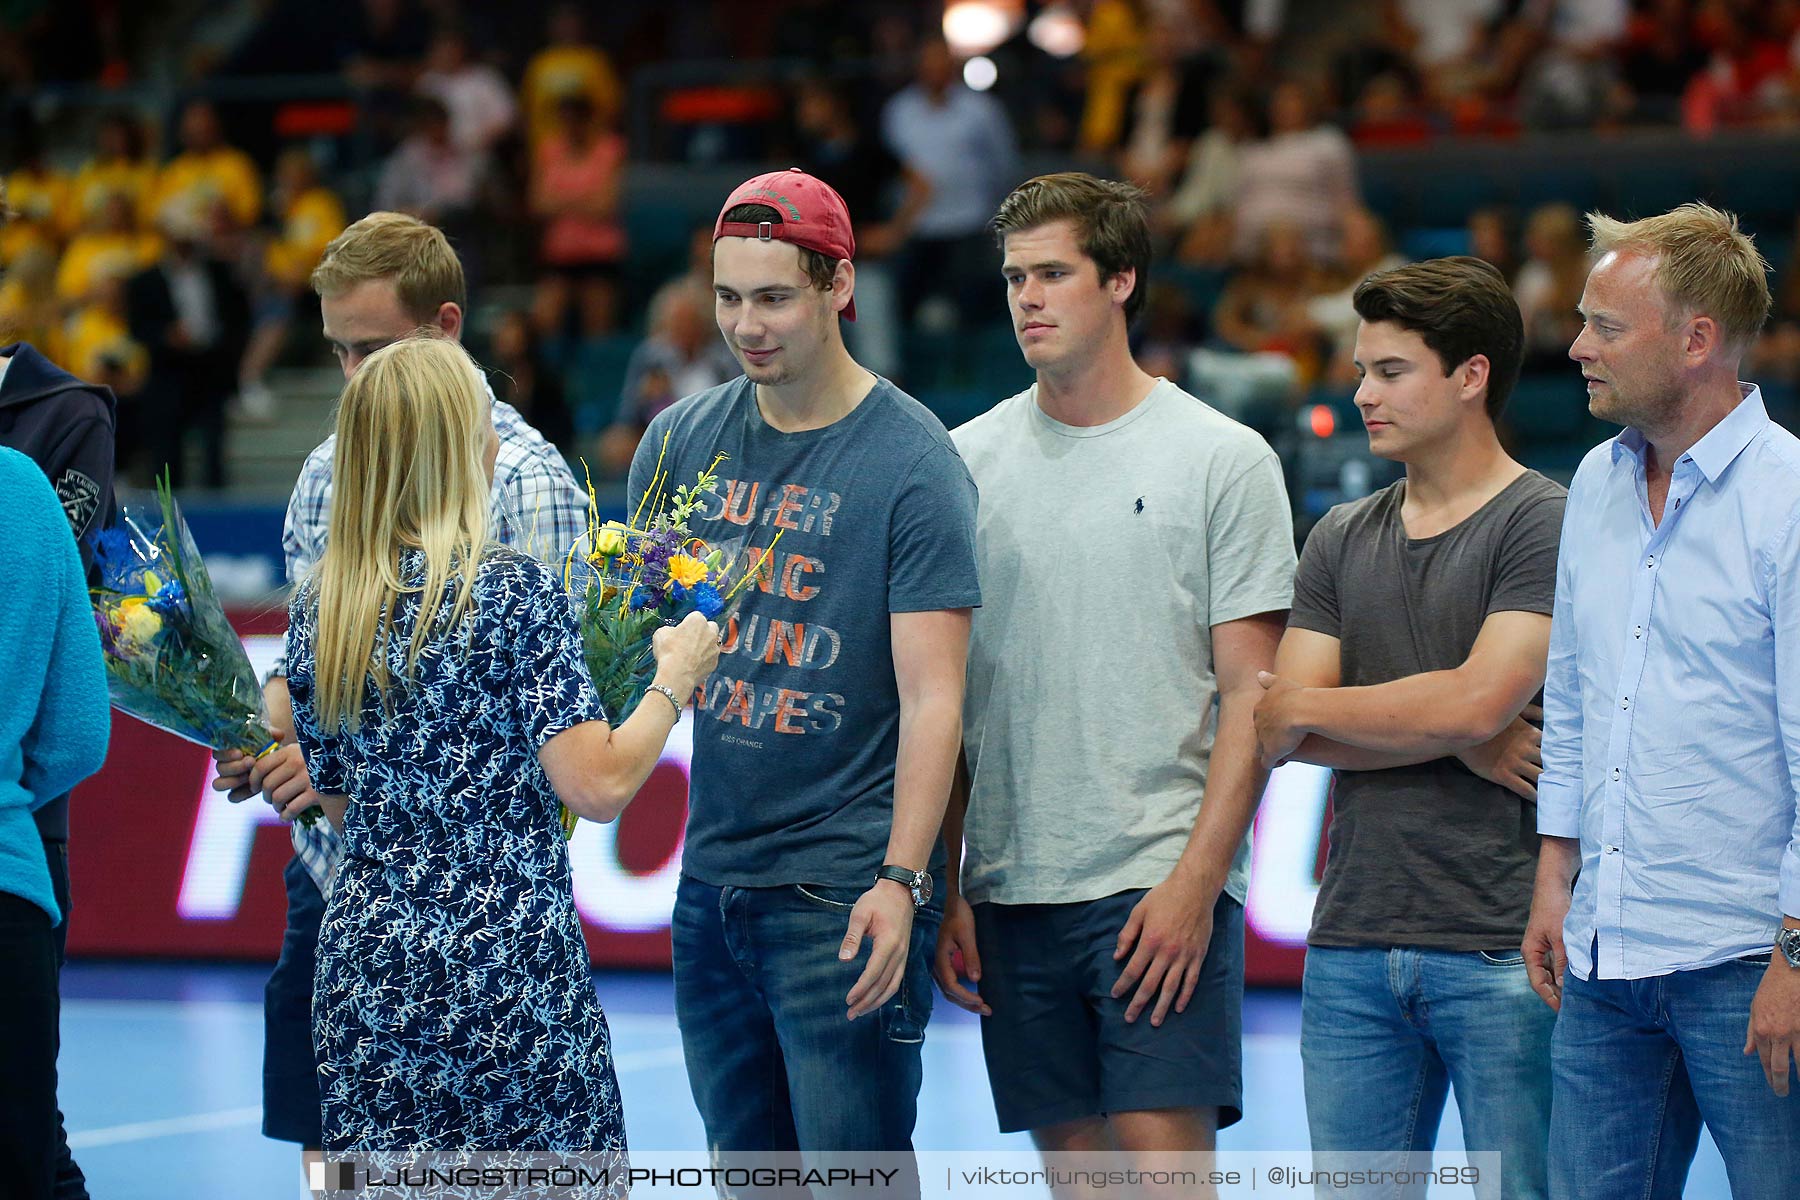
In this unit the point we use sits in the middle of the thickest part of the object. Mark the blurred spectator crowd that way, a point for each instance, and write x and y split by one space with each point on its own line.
164 248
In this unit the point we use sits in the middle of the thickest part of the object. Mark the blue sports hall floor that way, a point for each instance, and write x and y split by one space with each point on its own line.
162 1068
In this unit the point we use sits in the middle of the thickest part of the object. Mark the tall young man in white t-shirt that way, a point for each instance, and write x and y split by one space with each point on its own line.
1137 559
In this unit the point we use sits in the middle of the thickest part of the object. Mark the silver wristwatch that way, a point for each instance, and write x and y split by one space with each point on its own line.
1787 942
916 882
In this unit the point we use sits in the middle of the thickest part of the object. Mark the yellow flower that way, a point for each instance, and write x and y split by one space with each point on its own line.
609 543
686 569
138 623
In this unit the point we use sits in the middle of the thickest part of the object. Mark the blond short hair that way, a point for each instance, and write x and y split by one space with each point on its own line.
1705 265
390 245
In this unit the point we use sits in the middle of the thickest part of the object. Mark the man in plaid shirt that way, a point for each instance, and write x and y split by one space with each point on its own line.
382 278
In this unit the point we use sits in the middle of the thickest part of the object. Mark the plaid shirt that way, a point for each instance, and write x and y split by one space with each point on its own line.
538 508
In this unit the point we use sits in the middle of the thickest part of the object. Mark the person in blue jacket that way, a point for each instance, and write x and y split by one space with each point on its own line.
54 726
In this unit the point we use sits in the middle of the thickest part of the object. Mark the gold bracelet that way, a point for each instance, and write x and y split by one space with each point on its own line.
663 689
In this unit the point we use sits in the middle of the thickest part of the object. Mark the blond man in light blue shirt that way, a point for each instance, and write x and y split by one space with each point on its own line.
1672 736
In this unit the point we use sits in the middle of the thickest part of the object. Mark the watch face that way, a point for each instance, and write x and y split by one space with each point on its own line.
922 890
1788 942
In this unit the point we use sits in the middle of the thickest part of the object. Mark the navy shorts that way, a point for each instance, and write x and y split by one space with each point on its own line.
290 1067
1058 1048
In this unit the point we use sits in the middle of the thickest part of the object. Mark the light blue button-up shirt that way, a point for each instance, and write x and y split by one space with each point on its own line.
1672 702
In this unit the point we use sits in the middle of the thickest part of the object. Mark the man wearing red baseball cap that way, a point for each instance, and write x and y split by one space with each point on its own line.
825 741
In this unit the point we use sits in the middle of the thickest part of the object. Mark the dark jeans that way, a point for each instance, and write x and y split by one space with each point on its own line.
71 1184
291 1110
759 995
28 1037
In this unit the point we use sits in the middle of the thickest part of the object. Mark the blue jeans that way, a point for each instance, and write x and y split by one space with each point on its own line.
1640 1063
759 995
1384 1035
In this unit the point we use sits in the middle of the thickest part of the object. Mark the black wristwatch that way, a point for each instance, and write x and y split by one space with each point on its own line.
1788 943
917 882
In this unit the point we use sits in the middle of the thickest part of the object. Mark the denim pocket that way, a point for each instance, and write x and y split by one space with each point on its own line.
1505 958
828 897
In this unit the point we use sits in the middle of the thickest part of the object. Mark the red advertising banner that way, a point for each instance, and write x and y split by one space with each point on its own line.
163 866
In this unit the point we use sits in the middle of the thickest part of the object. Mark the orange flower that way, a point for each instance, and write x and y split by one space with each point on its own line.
686 570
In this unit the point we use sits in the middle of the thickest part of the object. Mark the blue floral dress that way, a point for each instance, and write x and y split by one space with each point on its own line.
453 1006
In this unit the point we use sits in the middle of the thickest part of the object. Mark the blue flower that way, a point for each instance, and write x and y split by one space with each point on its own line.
120 566
642 598
708 600
679 594
170 601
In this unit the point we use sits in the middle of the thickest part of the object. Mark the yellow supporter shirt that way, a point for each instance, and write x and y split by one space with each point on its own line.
311 221
95 256
28 318
40 197
96 344
1115 58
97 181
195 181
559 70
38 200
19 238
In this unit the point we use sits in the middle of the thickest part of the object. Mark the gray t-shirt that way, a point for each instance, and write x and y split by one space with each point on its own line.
1107 554
796 738
1428 855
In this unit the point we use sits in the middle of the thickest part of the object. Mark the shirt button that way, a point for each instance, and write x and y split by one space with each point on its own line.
1651 561
1615 772
1625 703
1638 632
1612 849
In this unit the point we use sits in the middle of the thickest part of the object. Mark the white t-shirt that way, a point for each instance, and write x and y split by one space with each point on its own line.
1106 556
1446 28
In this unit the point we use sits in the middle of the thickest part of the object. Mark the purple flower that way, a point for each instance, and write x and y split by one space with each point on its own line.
109 633
658 546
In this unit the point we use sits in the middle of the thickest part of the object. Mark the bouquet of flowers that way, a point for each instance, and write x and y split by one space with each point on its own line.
172 658
629 579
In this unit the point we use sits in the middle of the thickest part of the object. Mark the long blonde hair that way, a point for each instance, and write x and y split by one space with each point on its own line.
408 471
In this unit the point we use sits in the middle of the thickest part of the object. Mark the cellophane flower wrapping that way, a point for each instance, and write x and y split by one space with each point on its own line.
172 658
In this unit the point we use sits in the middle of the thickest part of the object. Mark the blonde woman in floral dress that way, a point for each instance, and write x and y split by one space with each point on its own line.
438 684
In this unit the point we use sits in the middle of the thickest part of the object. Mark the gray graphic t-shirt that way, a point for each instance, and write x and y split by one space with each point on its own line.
797 730
1432 854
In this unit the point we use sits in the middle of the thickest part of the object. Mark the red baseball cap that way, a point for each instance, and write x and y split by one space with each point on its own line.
813 215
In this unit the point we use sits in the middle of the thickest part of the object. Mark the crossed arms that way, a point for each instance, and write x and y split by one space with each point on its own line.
1474 712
